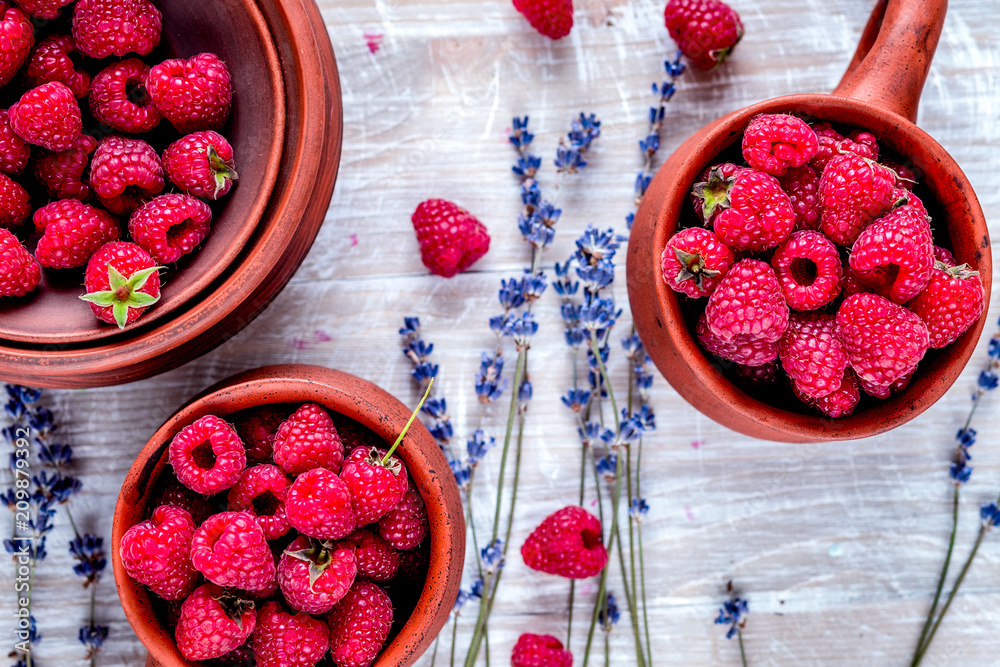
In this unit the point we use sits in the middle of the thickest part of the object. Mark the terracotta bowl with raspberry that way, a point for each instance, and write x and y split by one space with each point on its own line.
816 267
274 505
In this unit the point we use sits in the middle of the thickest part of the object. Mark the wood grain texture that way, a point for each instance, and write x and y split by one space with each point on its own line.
836 545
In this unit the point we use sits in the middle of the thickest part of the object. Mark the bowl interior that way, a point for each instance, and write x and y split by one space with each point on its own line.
236 31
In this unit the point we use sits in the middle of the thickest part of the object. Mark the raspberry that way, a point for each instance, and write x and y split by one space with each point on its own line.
43 9
833 143
193 94
353 434
839 403
742 349
119 97
405 526
308 440
853 192
905 199
952 302
376 559
895 255
314 575
73 232
412 566
375 487
774 142
884 392
944 256
122 281
104 28
906 177
207 455
15 205
157 553
62 173
808 267
241 656
710 194
552 18
801 184
861 143
201 164
16 38
178 495
759 213
284 640
450 238
694 261
230 550
213 621
170 226
257 432
705 30
757 377
540 651
359 625
50 61
261 491
567 543
812 355
850 284
883 340
47 116
318 504
14 151
123 172
748 301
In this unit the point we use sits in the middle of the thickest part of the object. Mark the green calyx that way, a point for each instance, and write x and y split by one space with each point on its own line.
713 193
962 271
318 555
124 293
222 170
395 464
692 267
234 606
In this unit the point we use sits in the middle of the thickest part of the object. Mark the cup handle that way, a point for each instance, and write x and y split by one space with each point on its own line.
890 65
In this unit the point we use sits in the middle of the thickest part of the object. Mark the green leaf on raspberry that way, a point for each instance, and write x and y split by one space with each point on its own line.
385 459
234 606
222 170
693 266
317 555
714 193
124 293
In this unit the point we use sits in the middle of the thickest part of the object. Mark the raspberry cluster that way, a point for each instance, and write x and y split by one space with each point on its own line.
817 264
299 553
76 159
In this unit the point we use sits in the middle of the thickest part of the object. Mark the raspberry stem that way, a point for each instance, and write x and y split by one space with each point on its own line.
427 392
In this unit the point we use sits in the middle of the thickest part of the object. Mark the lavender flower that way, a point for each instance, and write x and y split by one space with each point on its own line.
990 514
733 613
478 445
609 615
489 385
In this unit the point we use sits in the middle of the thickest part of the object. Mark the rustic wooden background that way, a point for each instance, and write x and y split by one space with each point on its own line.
836 546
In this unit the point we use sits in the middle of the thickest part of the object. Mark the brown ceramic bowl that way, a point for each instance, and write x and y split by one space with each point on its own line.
879 93
338 392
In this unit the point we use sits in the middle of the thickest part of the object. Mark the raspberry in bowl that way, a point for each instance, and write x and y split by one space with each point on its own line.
212 501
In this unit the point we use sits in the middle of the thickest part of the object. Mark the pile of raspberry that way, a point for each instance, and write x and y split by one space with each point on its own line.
76 179
819 265
316 546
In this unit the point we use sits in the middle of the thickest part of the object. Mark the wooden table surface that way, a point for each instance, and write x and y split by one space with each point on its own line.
836 546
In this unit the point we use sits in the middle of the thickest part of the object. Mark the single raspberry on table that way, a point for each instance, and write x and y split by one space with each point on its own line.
774 142
193 94
62 173
801 184
318 504
375 486
809 269
119 98
752 211
72 232
405 526
839 403
213 622
14 151
833 143
748 301
952 302
47 116
359 625
741 349
16 38
178 495
568 543
450 238
122 281
540 651
812 355
261 491
170 226
286 640
19 272
258 431
15 204
706 31
853 191
105 28
308 440
124 172
230 550
157 553
50 61
201 164
552 18
376 559
314 575
895 255
694 261
207 455
883 340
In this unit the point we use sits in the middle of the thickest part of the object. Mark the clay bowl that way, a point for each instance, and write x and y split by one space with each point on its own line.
879 93
286 129
338 392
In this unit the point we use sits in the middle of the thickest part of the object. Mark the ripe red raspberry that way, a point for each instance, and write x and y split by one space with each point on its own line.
318 504
230 550
849 284
62 173
157 553
170 226
759 214
405 526
839 403
705 30
895 255
119 97
73 231
16 38
201 164
314 575
193 94
19 272
50 61
412 566
353 434
258 431
178 495
552 18
375 487
757 377
801 184
450 238
883 340
833 143
567 543
359 625
105 28
808 267
241 656
213 622
903 198
694 261
14 151
47 116
906 177
308 440
540 651
884 392
709 200
43 9
283 640
207 455
812 355
774 142
944 256
748 301
376 559
123 172
853 192
15 205
122 281
261 491
742 349
952 302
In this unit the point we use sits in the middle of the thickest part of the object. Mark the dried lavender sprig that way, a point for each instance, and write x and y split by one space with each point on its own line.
734 614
